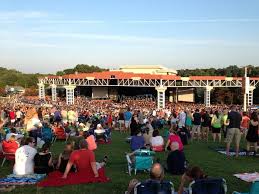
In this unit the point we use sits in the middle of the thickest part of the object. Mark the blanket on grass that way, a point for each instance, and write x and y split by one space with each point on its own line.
232 152
248 177
55 179
22 180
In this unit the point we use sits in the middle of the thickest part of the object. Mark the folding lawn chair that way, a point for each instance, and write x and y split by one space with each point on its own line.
154 187
254 189
208 186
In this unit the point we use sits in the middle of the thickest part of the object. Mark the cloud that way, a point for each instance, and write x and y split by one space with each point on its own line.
222 20
16 15
122 38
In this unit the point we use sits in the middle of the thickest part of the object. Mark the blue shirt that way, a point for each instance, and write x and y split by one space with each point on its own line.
127 116
137 142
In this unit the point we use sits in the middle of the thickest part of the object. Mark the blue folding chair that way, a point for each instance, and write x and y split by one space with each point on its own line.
154 187
254 189
143 161
208 186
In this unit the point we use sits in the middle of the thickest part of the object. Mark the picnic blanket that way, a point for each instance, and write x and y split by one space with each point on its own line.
55 179
22 180
232 152
248 177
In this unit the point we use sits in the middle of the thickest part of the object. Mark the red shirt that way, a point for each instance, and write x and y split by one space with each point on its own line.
245 122
12 115
9 146
91 143
176 138
83 159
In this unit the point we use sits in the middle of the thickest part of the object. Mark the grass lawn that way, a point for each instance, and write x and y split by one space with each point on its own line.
197 153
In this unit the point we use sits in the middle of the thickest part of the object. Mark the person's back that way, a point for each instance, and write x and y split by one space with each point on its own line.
137 142
41 161
176 162
82 159
91 143
235 119
10 146
24 160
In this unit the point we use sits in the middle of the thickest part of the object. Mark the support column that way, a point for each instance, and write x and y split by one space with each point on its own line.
161 97
171 96
41 91
70 95
54 92
207 96
250 96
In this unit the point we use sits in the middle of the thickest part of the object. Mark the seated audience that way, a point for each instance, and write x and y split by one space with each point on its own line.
175 160
156 175
194 173
43 160
157 141
84 160
10 145
90 141
173 137
13 132
137 141
64 157
24 158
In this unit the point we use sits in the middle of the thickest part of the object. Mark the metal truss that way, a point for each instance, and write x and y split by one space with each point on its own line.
146 82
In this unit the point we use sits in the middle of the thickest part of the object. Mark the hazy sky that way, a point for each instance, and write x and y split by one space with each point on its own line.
50 35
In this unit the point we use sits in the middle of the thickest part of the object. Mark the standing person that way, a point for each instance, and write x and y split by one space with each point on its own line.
127 118
196 128
18 117
121 120
188 123
252 134
225 122
24 158
205 126
245 123
182 118
216 124
40 116
234 119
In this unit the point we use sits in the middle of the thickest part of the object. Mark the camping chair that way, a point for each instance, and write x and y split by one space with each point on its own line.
8 156
208 186
254 189
143 161
154 187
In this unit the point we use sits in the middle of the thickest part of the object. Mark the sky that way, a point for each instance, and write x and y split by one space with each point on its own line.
50 35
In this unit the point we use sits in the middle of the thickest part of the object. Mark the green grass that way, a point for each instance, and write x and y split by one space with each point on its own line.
197 153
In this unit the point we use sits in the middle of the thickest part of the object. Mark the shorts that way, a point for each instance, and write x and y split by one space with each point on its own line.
205 129
196 129
121 122
215 130
231 132
127 124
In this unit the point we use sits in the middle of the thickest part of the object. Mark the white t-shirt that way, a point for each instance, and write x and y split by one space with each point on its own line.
24 160
156 141
17 136
18 114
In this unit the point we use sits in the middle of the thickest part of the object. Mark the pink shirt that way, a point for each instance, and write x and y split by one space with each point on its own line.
91 143
176 138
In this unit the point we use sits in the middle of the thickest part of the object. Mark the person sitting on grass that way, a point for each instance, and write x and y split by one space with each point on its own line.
24 158
192 174
64 157
156 175
174 137
43 163
175 160
157 142
84 160
10 145
90 141
137 141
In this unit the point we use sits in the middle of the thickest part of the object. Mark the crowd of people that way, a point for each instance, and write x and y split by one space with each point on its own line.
29 128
